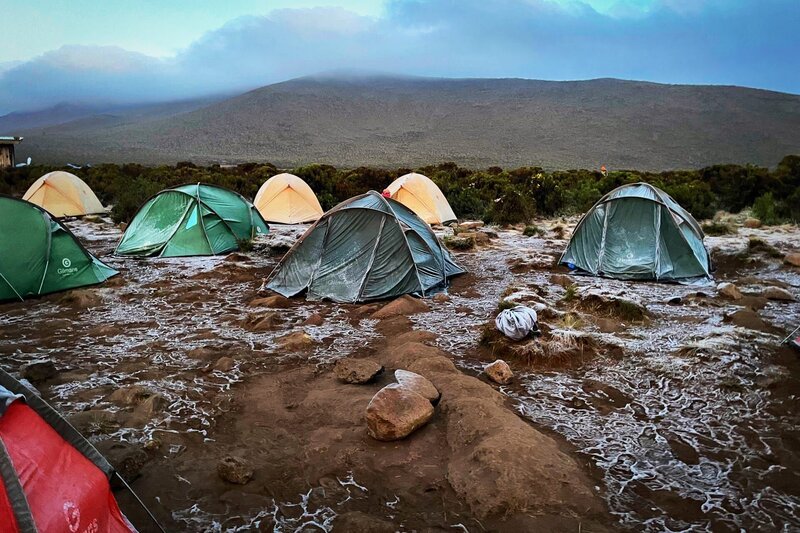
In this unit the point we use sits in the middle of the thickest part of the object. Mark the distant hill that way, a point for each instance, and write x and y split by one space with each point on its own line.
405 121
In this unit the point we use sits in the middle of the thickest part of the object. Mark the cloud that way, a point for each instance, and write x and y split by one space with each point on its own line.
739 42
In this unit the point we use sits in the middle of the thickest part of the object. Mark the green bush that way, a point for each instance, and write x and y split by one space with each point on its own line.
765 210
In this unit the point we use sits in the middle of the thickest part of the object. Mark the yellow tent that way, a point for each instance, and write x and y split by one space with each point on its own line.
287 199
421 195
63 195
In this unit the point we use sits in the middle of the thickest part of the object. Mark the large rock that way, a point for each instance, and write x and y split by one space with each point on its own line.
729 290
747 318
776 293
471 224
416 383
395 412
403 306
352 370
235 470
792 259
499 372
38 370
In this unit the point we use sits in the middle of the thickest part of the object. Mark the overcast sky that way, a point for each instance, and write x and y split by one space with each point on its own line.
150 50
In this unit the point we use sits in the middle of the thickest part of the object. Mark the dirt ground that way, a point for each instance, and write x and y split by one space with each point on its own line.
643 406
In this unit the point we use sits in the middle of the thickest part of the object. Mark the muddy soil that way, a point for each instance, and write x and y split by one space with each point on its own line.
682 418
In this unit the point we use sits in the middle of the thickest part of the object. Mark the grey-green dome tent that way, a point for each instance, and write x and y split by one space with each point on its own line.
38 255
366 248
195 219
638 231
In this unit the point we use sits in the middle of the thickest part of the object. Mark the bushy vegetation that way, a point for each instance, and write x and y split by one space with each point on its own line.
494 195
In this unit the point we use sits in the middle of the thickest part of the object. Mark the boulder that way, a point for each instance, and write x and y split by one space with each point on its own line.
235 470
416 383
296 340
499 372
224 364
751 222
38 370
126 458
402 306
729 290
395 412
352 370
265 322
275 302
792 259
776 293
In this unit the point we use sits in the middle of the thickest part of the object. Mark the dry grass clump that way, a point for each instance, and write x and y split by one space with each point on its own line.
756 245
455 242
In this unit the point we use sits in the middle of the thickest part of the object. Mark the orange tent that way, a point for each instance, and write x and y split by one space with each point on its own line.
287 199
63 195
421 195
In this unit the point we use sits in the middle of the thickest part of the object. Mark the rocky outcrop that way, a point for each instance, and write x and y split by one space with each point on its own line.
357 371
499 372
395 412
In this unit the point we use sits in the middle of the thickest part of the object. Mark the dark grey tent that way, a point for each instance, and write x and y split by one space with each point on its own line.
638 231
366 248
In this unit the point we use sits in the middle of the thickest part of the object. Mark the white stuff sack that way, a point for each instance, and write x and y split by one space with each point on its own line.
516 323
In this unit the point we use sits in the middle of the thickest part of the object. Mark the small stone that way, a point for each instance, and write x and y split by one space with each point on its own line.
150 407
499 372
315 319
224 364
123 226
562 279
792 259
38 370
352 370
729 290
440 297
275 302
396 412
419 384
751 222
675 300
402 306
132 395
296 340
235 470
262 322
776 293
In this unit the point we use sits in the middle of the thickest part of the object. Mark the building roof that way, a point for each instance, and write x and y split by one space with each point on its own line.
10 140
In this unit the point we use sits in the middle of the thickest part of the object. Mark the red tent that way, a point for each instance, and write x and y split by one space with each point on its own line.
51 478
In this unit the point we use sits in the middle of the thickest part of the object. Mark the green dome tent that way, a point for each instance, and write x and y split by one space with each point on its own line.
366 248
195 219
39 256
638 231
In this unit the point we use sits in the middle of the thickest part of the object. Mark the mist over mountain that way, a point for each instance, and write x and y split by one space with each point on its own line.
384 120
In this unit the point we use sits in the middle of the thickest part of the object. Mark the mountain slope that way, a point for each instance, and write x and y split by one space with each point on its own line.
393 121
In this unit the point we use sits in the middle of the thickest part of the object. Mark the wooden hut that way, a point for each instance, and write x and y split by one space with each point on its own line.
7 151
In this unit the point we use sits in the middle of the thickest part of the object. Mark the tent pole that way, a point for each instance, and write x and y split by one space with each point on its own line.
789 336
141 503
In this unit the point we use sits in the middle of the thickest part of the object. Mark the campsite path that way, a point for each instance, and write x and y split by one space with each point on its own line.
688 421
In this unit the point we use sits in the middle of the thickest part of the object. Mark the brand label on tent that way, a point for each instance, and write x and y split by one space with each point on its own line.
68 268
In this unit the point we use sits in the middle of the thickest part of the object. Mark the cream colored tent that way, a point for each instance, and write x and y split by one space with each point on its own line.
287 199
63 195
421 195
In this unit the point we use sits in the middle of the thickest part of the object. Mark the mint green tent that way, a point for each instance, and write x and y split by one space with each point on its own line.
39 256
196 219
366 248
638 231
